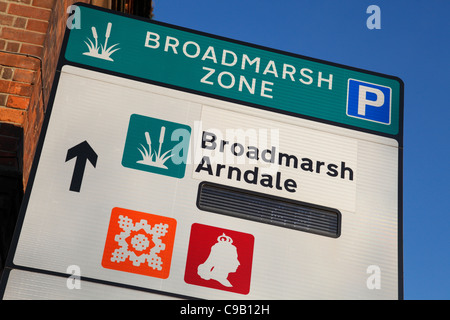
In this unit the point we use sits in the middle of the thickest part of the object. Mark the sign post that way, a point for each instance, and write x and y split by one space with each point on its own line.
178 164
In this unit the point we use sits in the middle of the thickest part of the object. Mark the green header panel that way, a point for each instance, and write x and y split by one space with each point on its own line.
220 67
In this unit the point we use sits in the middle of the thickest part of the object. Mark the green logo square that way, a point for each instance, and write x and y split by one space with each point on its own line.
156 146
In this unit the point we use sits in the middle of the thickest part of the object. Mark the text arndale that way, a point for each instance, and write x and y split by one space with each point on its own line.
271 156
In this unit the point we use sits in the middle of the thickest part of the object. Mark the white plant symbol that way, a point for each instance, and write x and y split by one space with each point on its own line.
153 158
102 51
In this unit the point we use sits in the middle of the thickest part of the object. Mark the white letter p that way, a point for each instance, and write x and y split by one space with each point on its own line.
363 101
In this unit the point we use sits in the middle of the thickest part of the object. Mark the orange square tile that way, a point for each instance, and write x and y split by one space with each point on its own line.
140 243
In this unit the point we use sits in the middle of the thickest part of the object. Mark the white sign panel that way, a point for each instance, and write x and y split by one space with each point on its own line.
108 226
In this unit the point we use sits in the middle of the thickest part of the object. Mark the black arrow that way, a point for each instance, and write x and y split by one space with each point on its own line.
82 152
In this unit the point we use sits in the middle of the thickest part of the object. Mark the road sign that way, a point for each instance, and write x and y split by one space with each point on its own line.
182 164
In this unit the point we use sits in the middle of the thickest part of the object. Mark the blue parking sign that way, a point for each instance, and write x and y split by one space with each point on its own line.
369 101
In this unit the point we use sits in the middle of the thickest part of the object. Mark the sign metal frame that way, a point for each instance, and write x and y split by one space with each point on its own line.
64 61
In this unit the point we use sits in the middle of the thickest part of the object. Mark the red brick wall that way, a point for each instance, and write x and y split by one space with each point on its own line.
31 33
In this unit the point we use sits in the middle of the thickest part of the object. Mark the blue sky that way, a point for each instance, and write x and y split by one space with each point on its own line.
412 44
